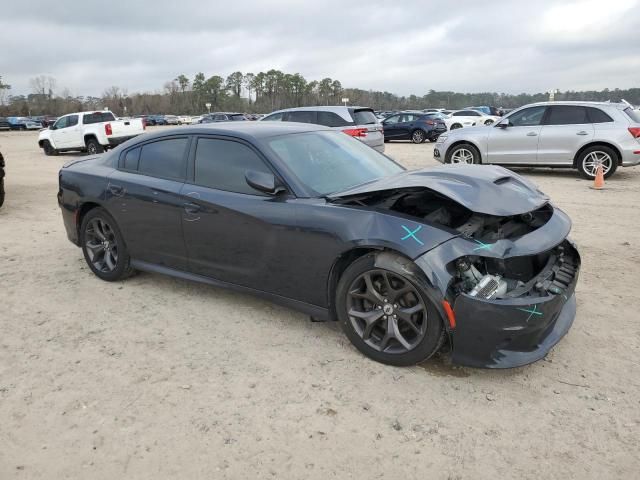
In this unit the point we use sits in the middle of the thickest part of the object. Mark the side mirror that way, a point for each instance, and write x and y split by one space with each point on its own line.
504 123
263 182
51 127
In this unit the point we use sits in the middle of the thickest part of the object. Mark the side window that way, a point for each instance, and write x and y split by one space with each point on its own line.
222 164
131 159
304 116
62 122
331 119
392 120
473 113
458 114
529 117
598 116
274 117
73 120
164 158
567 115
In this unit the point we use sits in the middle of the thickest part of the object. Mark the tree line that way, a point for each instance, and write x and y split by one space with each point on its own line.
261 92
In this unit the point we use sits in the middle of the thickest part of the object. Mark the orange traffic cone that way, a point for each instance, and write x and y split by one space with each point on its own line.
598 182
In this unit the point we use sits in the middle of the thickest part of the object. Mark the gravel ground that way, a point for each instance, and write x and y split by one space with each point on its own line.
161 378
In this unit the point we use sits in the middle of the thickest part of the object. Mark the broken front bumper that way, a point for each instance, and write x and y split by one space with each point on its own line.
513 331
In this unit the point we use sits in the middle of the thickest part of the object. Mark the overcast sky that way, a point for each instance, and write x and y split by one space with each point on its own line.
400 46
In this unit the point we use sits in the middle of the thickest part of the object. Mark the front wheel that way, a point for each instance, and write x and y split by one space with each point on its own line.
455 126
103 246
385 314
418 136
593 157
48 149
488 122
463 153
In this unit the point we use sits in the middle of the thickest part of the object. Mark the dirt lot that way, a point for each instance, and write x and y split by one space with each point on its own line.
161 378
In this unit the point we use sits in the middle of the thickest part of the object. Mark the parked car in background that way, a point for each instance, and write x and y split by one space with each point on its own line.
31 124
414 126
156 120
92 132
358 122
4 124
469 118
488 110
172 120
581 135
223 117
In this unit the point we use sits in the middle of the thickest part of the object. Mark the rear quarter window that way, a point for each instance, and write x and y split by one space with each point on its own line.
364 117
331 119
598 116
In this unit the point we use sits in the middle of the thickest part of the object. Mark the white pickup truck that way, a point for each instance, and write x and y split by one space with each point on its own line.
91 132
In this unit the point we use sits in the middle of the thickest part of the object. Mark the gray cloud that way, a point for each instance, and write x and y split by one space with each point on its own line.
403 47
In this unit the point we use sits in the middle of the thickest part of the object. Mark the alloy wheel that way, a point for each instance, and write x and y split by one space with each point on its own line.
101 245
462 155
92 149
386 311
418 136
593 160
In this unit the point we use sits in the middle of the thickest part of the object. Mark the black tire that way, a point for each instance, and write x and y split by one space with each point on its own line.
93 147
488 122
589 158
427 320
455 153
97 228
418 136
48 149
455 126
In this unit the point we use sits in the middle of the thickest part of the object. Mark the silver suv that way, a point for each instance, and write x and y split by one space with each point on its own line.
580 135
359 122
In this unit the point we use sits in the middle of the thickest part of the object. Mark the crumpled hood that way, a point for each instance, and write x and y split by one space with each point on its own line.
486 189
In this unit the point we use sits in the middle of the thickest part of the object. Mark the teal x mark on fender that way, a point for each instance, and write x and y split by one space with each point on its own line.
483 246
412 234
531 311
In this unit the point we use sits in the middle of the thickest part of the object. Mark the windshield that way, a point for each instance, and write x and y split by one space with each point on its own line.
329 162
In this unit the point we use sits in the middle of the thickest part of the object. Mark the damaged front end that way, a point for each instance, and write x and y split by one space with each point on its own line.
506 278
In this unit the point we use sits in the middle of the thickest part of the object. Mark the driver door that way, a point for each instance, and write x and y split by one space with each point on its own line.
391 127
518 142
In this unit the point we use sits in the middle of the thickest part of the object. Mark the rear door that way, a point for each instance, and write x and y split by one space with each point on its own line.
517 143
232 232
566 128
145 198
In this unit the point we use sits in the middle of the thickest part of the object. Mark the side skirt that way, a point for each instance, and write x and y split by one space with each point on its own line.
317 313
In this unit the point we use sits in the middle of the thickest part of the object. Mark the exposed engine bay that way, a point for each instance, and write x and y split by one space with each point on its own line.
432 207
548 273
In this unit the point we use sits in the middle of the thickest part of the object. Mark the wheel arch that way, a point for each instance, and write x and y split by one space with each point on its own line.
90 136
596 144
82 211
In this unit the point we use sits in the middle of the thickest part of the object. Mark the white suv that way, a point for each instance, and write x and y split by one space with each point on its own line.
581 135
359 122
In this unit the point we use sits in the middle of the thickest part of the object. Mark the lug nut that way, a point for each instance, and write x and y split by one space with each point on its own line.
385 317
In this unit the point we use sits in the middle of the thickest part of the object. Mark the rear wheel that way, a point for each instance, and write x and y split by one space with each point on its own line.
592 157
488 122
386 315
93 147
455 126
103 246
418 136
463 153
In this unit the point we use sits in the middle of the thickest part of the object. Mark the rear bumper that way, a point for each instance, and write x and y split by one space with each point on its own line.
114 142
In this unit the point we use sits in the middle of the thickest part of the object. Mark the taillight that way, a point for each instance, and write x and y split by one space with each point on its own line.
635 132
430 122
107 129
356 132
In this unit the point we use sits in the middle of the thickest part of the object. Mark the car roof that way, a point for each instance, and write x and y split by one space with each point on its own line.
245 130
322 108
620 106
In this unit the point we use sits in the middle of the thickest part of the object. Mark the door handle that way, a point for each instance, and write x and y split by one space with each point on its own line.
192 207
582 132
532 134
116 190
